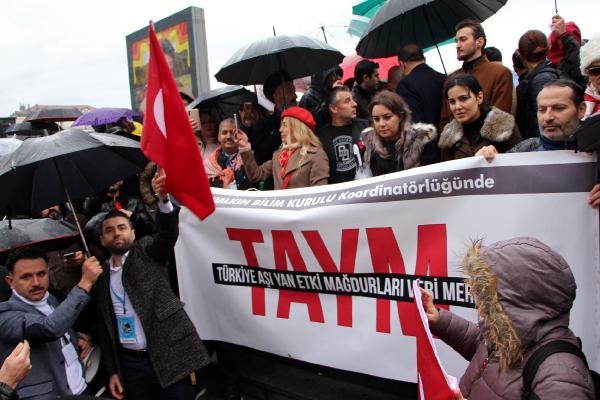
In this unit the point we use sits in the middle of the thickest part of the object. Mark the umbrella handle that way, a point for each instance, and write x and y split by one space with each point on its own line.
60 177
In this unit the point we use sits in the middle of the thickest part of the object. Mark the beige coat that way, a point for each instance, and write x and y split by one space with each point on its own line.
311 169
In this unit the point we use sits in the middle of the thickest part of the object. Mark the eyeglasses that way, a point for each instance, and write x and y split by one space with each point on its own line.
594 71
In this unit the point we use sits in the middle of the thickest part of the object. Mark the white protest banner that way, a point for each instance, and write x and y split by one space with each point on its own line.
324 274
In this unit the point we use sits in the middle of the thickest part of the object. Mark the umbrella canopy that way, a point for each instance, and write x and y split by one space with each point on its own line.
27 129
65 113
8 145
83 163
361 16
103 116
299 55
424 22
224 101
23 232
351 60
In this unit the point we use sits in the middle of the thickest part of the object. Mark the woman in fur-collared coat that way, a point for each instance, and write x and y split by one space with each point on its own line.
515 318
475 124
394 143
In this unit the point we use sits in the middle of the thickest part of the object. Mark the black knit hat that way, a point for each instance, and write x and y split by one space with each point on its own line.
274 80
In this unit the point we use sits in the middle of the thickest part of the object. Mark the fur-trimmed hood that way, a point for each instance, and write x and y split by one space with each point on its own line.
523 290
498 126
589 53
409 145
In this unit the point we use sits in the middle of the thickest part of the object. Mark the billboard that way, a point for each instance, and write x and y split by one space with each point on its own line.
182 37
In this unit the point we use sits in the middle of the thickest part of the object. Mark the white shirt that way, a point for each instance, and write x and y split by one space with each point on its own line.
74 371
116 286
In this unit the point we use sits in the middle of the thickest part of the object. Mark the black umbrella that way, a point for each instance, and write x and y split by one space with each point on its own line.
424 22
27 129
70 164
225 101
58 113
299 55
23 232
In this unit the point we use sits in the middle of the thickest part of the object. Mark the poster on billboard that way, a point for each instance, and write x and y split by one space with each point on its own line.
182 37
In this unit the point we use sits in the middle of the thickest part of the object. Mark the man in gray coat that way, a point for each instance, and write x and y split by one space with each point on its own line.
34 315
150 347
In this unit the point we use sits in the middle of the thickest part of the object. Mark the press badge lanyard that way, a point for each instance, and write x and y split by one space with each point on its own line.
125 323
119 298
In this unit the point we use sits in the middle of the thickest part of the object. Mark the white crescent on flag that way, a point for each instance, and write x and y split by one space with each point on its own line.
159 113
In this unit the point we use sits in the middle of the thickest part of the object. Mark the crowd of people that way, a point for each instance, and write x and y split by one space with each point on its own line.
123 297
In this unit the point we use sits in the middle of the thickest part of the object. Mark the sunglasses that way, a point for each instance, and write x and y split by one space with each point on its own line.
594 71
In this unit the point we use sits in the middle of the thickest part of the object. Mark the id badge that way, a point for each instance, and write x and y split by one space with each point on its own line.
69 354
126 328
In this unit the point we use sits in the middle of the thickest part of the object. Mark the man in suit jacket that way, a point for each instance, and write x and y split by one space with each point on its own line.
421 87
34 315
149 345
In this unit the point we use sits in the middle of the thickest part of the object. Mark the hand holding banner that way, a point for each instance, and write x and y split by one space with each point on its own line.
433 381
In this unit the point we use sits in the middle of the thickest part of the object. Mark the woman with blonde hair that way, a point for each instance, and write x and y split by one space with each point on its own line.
299 162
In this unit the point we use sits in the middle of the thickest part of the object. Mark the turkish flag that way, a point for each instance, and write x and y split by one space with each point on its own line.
168 138
433 381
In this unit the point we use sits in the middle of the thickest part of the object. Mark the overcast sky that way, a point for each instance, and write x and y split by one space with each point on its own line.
67 52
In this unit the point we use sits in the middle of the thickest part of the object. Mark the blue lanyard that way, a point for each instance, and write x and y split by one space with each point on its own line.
121 299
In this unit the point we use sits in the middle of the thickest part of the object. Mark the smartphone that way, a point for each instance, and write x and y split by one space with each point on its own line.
70 254
195 115
235 121
247 109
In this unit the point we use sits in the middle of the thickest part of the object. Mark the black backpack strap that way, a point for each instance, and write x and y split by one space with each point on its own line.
538 357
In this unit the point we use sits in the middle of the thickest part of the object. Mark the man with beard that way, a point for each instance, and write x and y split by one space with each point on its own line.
150 347
35 316
560 110
494 78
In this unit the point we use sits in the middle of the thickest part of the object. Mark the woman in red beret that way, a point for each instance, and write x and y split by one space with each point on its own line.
299 162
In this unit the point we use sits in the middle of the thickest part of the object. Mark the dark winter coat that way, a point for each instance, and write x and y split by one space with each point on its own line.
174 347
362 98
422 90
315 98
498 129
403 153
516 318
527 92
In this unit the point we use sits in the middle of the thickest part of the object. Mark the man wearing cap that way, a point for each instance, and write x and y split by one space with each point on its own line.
421 88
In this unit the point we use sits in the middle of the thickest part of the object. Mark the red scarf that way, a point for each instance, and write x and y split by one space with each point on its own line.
284 157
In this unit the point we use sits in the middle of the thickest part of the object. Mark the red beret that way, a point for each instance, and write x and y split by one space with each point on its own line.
302 115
